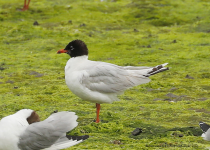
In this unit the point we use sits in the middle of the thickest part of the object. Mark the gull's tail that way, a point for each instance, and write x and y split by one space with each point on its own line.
157 69
205 128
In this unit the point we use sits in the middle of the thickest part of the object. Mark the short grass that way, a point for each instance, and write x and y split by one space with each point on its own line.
123 32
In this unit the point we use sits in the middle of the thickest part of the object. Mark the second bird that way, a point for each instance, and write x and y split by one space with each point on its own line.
101 82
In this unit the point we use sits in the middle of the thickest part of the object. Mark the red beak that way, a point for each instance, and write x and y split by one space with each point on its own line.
62 51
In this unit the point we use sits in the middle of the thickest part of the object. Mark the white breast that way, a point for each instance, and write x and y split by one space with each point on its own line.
76 70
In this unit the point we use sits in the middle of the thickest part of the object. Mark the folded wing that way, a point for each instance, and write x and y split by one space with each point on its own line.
44 134
110 78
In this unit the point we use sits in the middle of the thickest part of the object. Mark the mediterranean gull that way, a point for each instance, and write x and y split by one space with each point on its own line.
24 131
101 82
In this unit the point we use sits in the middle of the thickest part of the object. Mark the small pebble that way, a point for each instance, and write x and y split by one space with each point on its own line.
137 131
174 41
9 81
189 77
82 25
54 111
1 68
135 30
35 23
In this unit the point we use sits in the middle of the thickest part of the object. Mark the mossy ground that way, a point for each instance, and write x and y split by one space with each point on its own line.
130 32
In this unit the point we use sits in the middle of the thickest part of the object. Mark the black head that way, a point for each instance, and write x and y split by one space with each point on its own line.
76 48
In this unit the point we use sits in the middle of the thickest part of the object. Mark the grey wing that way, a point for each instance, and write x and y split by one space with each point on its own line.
136 68
110 78
44 134
34 138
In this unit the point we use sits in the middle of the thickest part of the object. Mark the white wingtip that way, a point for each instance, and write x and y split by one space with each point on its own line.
164 64
66 142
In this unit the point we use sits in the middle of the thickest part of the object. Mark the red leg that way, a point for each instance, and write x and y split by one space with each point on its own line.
97 112
26 6
24 3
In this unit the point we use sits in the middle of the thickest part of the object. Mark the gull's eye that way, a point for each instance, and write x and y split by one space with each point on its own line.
71 48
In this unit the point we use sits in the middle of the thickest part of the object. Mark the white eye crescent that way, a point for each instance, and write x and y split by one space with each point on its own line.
71 48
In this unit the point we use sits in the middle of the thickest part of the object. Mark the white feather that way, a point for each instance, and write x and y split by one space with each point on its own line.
102 82
206 135
50 134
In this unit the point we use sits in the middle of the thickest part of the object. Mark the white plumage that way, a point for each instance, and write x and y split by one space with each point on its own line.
17 134
101 82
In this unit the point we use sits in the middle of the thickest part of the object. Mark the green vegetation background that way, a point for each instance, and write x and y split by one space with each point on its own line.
123 32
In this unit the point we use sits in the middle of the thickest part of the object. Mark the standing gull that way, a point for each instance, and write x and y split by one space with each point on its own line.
23 131
101 82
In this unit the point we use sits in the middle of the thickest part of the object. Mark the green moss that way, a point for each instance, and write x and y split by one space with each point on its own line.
131 32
